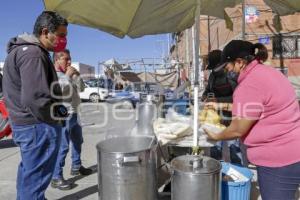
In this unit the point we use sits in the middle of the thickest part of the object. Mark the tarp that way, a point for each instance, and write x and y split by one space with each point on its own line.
136 18
128 77
284 7
167 80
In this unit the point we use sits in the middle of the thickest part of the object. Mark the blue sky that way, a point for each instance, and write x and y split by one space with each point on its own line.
87 45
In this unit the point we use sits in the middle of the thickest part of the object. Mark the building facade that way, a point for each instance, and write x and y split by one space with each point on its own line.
283 45
87 72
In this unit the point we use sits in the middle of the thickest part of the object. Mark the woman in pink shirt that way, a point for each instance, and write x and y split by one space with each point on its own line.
266 116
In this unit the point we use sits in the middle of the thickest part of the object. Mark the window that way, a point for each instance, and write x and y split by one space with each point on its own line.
290 47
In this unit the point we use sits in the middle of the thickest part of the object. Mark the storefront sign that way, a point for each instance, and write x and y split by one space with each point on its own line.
251 14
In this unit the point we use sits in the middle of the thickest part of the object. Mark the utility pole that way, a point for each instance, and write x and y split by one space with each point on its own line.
243 21
187 46
168 47
187 50
279 35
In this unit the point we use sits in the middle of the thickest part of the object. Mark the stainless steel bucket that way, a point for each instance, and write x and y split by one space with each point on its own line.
195 178
127 168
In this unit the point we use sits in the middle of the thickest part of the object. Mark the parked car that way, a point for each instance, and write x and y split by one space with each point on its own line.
93 93
101 82
5 129
134 93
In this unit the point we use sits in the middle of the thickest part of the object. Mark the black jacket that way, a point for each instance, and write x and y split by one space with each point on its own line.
27 78
220 86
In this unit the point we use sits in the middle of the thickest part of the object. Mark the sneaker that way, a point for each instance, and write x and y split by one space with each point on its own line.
61 184
81 171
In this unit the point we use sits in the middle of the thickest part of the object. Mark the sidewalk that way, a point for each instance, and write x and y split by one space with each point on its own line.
86 188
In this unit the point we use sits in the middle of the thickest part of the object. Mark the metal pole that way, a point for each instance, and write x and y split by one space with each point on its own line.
187 51
243 21
196 51
98 82
145 75
218 41
187 46
168 47
208 34
281 52
279 35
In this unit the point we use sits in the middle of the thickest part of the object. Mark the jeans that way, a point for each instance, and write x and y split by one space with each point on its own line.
279 183
39 145
72 132
234 151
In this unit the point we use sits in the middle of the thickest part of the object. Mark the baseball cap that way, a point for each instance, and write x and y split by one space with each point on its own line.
214 59
235 49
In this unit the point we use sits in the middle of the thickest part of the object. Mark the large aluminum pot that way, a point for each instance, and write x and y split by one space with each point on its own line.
127 168
195 177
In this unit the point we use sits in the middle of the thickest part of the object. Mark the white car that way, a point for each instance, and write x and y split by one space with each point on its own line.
93 94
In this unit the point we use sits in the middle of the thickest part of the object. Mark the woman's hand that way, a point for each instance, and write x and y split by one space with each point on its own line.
211 135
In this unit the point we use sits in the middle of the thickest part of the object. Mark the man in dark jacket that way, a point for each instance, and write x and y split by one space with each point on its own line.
32 96
220 85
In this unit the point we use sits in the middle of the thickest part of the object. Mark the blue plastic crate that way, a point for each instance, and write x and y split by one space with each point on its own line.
236 190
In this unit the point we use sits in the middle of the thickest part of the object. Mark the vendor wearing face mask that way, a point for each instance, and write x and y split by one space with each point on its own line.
220 87
266 116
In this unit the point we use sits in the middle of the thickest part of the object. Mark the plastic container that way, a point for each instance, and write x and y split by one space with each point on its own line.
236 190
179 105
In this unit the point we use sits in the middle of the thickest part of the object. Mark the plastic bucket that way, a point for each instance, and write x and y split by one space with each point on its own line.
236 190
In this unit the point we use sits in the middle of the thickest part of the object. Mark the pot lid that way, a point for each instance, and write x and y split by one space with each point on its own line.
126 144
195 164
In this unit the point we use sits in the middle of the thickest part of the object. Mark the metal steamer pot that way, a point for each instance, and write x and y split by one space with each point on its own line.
195 178
127 168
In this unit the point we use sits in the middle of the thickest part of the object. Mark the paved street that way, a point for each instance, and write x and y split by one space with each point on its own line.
95 130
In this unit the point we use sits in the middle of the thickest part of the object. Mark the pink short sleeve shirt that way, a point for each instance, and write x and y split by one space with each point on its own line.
266 95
